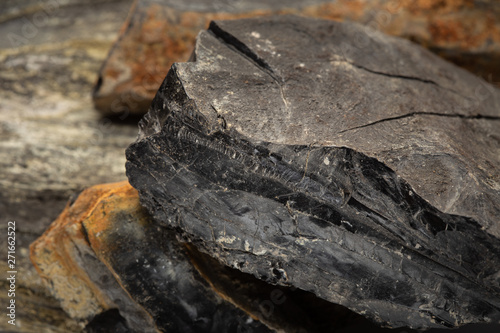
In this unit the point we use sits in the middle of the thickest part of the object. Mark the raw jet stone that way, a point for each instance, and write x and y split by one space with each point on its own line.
368 176
111 267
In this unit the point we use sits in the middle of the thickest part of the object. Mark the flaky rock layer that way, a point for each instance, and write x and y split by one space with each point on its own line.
332 158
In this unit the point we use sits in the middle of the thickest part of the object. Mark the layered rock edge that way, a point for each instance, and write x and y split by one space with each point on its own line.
326 198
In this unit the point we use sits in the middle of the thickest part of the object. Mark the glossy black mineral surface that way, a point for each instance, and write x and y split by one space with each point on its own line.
334 159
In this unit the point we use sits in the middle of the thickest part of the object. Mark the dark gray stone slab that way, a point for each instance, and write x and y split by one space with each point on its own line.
335 159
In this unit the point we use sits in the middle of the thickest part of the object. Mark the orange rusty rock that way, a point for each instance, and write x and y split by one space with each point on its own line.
446 32
442 6
69 266
55 256
104 219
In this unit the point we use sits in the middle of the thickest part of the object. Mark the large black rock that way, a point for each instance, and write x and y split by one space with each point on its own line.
335 159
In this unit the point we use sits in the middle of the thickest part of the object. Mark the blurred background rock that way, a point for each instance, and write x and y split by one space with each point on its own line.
52 142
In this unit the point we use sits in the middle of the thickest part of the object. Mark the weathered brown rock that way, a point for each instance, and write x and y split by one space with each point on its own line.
70 268
159 33
368 176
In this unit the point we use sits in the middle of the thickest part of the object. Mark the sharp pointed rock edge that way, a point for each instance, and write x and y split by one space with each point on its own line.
385 219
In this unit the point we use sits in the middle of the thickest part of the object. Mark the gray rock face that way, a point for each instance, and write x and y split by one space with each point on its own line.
335 159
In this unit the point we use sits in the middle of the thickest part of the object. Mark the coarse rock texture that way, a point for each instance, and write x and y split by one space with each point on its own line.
69 266
154 269
112 267
103 253
368 176
52 141
158 33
